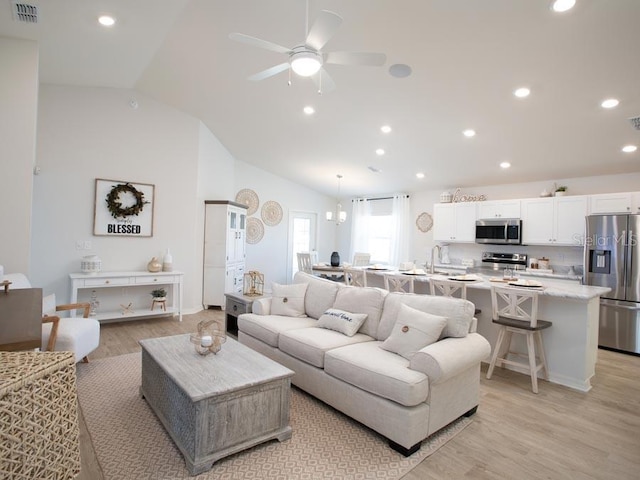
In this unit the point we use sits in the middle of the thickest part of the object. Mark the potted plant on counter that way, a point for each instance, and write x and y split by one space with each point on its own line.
561 190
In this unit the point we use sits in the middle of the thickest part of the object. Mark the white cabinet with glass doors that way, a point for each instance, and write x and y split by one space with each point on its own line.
224 250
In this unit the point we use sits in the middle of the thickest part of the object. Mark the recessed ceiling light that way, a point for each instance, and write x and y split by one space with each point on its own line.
629 148
469 133
610 103
385 128
106 20
309 110
399 70
563 5
419 175
379 151
505 165
522 92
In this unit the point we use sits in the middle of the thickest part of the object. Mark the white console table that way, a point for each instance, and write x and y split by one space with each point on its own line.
108 280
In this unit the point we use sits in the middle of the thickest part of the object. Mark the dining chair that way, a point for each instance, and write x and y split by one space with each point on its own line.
447 288
515 310
355 276
304 262
361 259
398 283
450 288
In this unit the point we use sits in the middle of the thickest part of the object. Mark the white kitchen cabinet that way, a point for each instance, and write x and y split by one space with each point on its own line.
224 250
554 221
612 203
499 209
454 222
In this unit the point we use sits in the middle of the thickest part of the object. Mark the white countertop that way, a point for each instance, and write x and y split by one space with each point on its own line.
552 286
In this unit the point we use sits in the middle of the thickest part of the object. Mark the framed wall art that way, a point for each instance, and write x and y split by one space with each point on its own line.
123 208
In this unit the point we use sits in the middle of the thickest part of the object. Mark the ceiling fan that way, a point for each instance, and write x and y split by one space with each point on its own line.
308 58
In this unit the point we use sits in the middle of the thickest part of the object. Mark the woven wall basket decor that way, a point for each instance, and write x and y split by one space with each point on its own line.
271 213
255 230
249 198
424 222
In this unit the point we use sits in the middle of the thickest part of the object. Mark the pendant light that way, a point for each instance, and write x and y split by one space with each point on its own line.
339 216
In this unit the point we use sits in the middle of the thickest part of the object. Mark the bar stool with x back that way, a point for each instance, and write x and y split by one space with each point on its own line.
515 310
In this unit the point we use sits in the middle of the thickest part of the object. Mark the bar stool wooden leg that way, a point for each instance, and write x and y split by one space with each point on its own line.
542 356
496 350
531 349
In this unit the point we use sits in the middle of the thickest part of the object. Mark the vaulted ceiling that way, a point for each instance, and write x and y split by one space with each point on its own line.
466 57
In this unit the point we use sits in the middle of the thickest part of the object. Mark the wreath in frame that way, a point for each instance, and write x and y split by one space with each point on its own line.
114 205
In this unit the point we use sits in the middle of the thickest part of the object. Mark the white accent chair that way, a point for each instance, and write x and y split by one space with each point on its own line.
361 259
398 283
515 310
78 335
355 276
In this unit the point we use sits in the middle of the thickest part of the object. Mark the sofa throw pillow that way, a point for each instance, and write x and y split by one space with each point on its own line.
344 322
413 331
288 300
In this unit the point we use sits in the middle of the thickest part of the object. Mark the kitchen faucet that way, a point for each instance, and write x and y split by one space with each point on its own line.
433 250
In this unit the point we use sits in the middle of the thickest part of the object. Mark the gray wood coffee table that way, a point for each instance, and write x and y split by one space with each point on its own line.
215 405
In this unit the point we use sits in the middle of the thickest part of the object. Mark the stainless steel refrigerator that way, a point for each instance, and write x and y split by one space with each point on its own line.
612 259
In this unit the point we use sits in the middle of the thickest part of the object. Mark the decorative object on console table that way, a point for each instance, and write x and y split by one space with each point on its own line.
123 208
95 303
90 264
154 265
335 259
167 262
160 297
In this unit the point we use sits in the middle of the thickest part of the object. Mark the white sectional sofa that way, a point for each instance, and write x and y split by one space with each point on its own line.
404 398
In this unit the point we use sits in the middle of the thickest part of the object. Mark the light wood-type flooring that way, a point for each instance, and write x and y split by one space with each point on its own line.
557 434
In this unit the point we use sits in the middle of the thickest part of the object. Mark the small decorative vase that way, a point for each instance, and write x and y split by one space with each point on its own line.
335 259
167 264
154 265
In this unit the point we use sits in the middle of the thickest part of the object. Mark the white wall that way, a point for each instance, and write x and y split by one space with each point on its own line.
269 256
18 114
89 133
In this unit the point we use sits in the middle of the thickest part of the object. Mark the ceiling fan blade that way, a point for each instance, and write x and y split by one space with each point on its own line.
324 27
256 42
269 72
323 81
356 58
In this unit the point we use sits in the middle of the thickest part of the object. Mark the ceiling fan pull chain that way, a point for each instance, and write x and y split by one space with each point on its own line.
320 82
289 82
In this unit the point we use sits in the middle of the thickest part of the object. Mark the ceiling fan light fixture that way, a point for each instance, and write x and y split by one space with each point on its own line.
305 63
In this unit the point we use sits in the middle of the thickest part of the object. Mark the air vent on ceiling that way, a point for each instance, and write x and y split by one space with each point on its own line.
635 121
23 12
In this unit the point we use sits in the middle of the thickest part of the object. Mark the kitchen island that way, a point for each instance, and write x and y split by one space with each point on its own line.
571 344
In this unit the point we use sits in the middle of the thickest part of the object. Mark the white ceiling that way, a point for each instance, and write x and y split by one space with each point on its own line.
467 57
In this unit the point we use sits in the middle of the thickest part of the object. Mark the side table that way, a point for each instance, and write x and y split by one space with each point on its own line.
237 304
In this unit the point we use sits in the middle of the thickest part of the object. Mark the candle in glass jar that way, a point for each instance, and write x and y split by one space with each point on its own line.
206 341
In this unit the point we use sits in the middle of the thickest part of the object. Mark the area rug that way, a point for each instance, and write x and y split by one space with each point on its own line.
131 443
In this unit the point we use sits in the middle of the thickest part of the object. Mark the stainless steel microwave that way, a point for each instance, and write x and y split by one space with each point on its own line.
499 231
